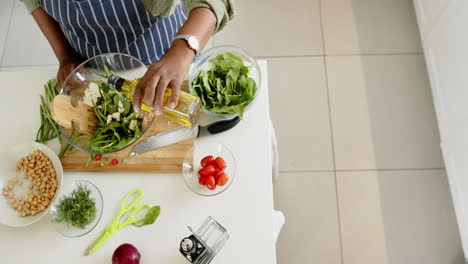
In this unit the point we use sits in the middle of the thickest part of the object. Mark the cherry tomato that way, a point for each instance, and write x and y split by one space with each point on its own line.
97 157
202 180
207 171
220 163
206 160
210 183
114 161
217 174
222 179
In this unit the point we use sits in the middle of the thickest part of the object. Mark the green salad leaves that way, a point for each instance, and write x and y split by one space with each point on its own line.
117 122
226 88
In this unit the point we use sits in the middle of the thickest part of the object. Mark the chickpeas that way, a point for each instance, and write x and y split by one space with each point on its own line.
41 174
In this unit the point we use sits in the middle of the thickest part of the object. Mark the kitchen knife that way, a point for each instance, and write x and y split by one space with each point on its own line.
182 133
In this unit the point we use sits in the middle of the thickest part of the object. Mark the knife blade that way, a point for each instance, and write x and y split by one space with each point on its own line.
182 133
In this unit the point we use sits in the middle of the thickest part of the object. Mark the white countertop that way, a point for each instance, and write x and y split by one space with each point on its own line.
245 209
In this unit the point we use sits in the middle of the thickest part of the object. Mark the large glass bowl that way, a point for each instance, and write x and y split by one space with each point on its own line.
96 70
202 63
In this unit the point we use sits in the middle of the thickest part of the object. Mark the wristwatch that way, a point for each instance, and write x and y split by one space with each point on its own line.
192 42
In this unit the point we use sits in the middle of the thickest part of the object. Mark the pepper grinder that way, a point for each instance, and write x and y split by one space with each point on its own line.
203 245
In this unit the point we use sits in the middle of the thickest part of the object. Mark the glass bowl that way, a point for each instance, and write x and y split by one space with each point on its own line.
68 230
202 63
95 70
192 164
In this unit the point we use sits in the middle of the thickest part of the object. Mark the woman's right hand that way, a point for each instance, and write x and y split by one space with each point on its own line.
67 64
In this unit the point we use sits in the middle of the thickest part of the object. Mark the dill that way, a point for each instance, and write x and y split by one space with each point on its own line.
76 209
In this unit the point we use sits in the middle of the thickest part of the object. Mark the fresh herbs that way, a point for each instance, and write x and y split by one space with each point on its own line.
150 217
77 209
48 129
226 88
117 123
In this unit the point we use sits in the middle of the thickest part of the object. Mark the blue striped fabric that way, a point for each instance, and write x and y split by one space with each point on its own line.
100 26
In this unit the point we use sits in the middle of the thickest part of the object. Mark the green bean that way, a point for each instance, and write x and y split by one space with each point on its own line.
48 129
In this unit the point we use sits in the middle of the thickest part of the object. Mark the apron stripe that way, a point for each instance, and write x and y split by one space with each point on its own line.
143 31
165 29
103 32
152 37
130 24
96 40
60 12
53 9
172 27
113 30
84 32
76 44
120 26
178 17
161 46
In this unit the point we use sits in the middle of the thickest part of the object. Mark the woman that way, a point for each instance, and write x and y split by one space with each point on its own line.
155 31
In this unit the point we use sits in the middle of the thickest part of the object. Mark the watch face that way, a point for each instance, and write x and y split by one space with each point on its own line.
193 42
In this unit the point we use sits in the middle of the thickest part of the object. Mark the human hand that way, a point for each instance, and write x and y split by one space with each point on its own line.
67 64
169 72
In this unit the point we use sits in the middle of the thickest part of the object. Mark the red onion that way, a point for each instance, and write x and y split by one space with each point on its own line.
126 254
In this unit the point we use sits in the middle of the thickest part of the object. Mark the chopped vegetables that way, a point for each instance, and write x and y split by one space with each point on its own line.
226 88
76 209
117 123
48 129
115 161
212 172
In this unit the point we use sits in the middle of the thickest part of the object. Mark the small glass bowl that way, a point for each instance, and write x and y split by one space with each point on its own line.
68 230
202 63
192 164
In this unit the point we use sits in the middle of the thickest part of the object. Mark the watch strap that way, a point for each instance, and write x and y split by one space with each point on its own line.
186 37
182 36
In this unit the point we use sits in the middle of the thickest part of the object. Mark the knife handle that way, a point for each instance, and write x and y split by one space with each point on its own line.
218 127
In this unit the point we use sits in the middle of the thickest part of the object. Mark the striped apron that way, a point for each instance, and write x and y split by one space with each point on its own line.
94 27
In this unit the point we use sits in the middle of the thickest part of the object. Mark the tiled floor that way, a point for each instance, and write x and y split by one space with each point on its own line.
362 179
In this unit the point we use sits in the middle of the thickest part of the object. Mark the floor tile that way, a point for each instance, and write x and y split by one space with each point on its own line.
361 220
6 10
310 234
274 28
299 110
26 45
419 220
382 113
369 26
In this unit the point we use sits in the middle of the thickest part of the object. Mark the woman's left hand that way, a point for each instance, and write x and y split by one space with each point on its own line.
169 72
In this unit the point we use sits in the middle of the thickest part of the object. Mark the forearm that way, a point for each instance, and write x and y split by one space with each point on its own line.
201 23
53 33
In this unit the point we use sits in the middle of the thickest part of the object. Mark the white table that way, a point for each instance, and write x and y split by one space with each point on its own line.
245 209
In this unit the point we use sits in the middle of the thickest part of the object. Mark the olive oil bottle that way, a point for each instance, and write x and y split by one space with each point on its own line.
186 111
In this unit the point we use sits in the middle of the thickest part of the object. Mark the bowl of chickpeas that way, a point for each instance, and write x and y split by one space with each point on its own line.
29 184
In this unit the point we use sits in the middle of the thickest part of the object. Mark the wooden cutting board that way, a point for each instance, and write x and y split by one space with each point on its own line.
165 159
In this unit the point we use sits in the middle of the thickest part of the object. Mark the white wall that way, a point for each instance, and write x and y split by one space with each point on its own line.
444 32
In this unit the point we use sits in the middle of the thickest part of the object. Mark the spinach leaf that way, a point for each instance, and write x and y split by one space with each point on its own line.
150 216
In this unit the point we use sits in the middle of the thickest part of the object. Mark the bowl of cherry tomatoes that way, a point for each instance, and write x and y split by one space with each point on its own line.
209 168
